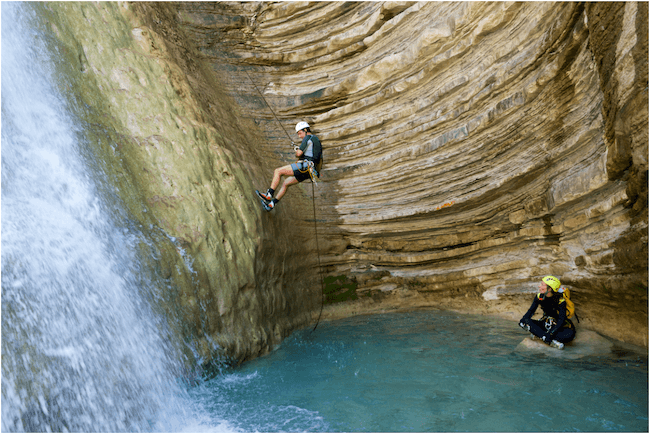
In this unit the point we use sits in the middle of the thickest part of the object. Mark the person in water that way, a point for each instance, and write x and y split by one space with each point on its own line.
554 328
309 155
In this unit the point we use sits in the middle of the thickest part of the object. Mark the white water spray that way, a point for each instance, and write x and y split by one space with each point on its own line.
81 349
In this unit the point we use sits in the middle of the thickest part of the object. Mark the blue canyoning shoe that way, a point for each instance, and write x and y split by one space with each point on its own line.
268 205
266 196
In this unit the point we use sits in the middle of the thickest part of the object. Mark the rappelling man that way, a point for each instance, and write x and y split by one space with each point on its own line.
309 154
554 328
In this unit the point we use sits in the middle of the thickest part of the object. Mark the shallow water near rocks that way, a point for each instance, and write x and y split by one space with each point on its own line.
427 371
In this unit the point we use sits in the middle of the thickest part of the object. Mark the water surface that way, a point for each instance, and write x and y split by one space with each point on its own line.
427 371
84 351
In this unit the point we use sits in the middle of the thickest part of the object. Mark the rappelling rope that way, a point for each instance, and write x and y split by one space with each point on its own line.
267 104
313 201
320 269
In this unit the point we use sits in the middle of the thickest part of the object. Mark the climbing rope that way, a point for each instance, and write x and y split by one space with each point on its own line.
320 269
267 104
313 201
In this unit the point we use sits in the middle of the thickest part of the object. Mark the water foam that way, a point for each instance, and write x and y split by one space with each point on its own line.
81 348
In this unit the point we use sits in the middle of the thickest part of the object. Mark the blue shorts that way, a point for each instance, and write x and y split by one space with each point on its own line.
301 170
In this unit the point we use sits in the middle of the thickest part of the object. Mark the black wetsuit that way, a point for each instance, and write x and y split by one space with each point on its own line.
554 307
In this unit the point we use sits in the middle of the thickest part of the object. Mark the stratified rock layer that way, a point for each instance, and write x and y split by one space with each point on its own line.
470 148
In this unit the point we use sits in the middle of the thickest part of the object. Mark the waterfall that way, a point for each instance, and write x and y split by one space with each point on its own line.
82 349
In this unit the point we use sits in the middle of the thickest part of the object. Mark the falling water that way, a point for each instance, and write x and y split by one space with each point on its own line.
82 350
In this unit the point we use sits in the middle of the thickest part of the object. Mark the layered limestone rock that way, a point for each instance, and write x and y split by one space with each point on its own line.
185 164
470 148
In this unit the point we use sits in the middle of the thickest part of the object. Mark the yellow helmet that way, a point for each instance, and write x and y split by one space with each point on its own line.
553 282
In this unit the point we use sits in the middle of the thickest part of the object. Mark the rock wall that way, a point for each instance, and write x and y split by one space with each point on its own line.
184 163
470 148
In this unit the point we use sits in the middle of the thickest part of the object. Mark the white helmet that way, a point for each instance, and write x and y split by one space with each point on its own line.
301 126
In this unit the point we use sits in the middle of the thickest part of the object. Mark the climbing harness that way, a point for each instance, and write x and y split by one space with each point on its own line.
549 323
313 174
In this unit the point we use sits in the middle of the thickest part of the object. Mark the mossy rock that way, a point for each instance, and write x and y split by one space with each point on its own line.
340 288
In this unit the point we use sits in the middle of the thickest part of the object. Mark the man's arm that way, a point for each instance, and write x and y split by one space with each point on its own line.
300 150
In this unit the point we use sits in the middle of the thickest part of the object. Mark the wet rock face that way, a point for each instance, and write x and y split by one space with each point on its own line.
470 148
184 164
